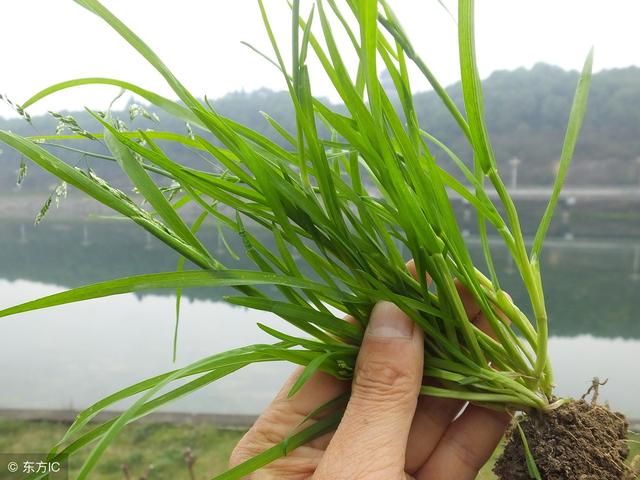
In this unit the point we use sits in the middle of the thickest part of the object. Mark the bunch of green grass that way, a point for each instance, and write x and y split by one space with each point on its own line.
344 208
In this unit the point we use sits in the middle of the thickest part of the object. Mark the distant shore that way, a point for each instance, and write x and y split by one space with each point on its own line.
220 420
152 446
76 207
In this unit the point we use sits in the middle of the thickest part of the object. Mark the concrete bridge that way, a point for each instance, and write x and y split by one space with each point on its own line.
571 194
588 193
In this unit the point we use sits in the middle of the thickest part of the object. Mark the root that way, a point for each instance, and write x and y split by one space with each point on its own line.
577 440
595 388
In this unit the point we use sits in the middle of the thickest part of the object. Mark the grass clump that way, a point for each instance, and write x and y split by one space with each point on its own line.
346 211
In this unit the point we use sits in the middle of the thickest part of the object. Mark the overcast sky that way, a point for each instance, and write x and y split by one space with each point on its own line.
46 41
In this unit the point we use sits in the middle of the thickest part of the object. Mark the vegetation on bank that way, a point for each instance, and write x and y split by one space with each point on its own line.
73 253
162 445
526 113
315 203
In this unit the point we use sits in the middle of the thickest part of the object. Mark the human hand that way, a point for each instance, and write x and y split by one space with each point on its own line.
388 430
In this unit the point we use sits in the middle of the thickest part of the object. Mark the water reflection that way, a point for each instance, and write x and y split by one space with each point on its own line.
70 356
591 286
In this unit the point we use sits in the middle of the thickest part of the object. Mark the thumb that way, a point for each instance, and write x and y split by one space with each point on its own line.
371 440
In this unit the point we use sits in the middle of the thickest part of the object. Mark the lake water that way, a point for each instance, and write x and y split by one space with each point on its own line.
71 356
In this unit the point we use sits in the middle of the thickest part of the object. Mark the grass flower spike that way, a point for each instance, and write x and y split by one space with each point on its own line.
347 201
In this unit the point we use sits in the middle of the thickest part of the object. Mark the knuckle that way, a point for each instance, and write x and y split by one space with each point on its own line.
271 428
384 381
360 469
262 435
239 454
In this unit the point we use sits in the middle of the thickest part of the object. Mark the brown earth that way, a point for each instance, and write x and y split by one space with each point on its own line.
577 441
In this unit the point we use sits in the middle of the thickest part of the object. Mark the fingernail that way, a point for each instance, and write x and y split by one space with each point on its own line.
388 321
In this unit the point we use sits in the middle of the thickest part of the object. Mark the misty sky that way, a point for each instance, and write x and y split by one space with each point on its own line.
46 41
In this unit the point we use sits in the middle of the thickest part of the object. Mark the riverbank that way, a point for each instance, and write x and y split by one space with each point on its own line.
157 446
579 216
219 420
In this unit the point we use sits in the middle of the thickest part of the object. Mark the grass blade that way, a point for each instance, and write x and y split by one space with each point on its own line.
216 278
472 87
531 463
307 372
164 103
150 191
578 111
316 430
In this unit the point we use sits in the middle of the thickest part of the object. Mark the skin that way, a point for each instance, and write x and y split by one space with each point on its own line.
388 430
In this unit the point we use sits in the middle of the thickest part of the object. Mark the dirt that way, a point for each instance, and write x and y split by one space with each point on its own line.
577 441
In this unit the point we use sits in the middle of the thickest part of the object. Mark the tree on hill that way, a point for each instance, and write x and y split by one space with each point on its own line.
526 109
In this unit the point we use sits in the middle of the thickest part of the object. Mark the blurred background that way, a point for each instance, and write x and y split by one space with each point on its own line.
60 360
